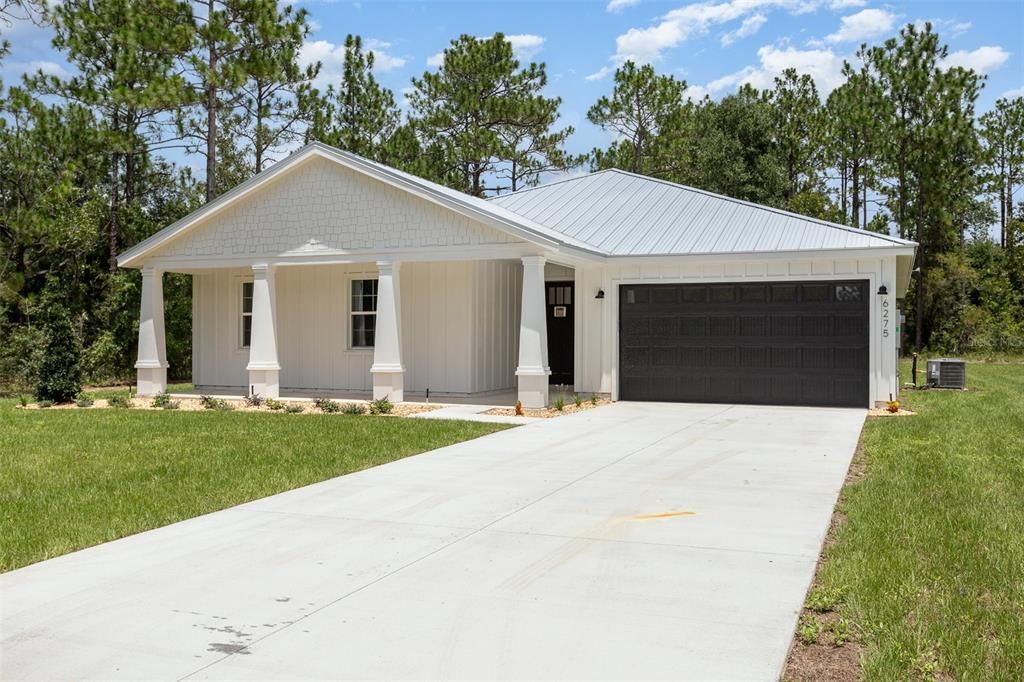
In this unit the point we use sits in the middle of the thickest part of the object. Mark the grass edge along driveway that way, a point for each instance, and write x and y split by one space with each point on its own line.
924 571
70 479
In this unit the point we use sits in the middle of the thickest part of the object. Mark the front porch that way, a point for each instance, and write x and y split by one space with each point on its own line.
447 332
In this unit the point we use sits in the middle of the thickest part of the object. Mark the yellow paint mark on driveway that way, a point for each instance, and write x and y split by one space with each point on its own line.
663 515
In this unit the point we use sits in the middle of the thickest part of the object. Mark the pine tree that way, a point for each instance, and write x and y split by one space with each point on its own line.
797 130
852 137
1002 130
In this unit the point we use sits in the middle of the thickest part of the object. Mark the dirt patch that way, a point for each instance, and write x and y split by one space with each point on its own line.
884 412
568 408
834 654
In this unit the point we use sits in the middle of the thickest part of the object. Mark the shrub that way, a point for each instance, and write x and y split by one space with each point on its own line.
162 400
211 403
84 401
254 400
577 400
273 404
822 599
559 403
120 401
45 403
593 399
20 356
381 406
353 408
809 630
326 405
60 372
294 409
172 405
519 408
23 399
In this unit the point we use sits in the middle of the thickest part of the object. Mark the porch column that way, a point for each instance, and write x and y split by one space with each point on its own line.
533 370
263 367
151 367
387 370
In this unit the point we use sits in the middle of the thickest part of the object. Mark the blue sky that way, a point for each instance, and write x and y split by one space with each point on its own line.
714 45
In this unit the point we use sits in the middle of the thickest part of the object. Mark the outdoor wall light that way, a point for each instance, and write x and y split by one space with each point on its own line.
600 294
882 291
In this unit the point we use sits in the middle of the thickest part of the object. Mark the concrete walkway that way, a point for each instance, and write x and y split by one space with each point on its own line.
633 541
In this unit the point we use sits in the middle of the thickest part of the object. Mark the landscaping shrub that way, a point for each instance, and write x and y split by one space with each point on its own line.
577 400
382 406
84 401
559 403
294 409
45 403
326 405
60 372
593 399
211 403
161 399
273 404
120 401
254 400
353 408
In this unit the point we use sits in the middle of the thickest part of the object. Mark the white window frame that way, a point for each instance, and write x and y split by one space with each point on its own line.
242 315
353 313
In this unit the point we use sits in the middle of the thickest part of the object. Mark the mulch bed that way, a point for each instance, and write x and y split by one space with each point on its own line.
239 405
569 408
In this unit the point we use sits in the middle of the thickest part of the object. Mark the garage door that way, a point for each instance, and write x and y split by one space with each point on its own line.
777 343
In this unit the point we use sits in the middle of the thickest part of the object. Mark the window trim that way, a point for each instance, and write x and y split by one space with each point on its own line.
242 315
352 313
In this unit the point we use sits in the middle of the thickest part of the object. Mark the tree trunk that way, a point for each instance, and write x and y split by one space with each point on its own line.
260 144
514 177
211 115
864 207
114 224
1002 214
843 190
855 180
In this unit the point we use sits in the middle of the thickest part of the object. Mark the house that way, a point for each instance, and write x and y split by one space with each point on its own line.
332 273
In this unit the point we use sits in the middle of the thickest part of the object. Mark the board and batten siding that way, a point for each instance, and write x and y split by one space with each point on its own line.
459 327
597 345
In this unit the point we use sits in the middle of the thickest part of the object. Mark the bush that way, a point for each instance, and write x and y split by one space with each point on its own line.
60 372
559 403
84 401
294 409
326 405
353 408
120 401
577 400
161 399
45 403
273 404
20 356
382 406
23 399
593 399
254 400
211 403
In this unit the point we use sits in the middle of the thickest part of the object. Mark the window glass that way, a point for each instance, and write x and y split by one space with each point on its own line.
363 312
246 314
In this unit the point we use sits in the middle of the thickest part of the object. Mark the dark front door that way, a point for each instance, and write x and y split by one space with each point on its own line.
560 331
781 343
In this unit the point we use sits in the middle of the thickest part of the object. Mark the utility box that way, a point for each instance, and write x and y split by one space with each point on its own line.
947 373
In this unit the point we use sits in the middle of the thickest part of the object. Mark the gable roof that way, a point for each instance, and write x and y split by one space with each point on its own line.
472 207
624 214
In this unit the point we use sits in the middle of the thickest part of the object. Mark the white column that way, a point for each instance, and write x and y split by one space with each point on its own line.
533 370
263 367
151 367
387 370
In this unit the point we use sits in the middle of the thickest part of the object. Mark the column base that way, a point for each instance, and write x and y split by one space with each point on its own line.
151 380
533 388
390 385
264 382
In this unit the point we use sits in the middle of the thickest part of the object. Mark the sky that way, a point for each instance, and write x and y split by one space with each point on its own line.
715 46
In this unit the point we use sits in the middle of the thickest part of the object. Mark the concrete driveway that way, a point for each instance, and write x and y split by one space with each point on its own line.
632 541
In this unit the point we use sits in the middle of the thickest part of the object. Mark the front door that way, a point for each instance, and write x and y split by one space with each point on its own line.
560 331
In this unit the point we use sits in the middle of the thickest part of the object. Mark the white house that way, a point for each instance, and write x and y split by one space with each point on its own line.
331 273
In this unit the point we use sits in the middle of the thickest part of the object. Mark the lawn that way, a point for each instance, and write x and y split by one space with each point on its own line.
926 566
74 478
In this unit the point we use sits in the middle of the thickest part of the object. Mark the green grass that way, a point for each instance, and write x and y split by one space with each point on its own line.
929 562
74 478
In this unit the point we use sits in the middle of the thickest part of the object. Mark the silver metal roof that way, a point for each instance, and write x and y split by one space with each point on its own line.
624 214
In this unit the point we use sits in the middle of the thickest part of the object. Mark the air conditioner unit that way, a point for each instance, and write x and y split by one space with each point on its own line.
947 373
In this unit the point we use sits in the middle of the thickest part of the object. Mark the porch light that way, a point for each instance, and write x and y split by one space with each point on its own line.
882 291
600 294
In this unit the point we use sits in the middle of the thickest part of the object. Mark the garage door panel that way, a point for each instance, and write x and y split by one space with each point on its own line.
778 343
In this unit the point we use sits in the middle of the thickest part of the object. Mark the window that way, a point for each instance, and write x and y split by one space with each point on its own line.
364 312
848 293
246 313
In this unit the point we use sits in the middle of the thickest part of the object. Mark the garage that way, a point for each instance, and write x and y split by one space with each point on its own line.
770 343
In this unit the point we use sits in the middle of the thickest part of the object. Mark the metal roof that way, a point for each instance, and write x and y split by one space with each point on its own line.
624 214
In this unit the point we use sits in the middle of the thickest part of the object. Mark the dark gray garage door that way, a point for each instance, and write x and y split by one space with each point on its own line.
778 343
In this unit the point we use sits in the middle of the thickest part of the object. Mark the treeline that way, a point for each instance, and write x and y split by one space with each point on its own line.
86 164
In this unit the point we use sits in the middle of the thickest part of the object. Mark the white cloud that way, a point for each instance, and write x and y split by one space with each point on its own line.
695 93
47 67
749 27
600 74
985 59
846 4
332 59
1013 94
865 24
525 45
823 65
619 5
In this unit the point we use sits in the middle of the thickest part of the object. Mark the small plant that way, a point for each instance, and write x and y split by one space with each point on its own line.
381 406
559 403
45 403
593 399
83 401
823 599
254 400
577 400
273 404
121 402
353 408
840 631
162 400
23 399
326 405
519 408
893 406
294 409
172 405
809 630
211 403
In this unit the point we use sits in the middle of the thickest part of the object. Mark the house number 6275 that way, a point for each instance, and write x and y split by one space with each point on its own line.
885 318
